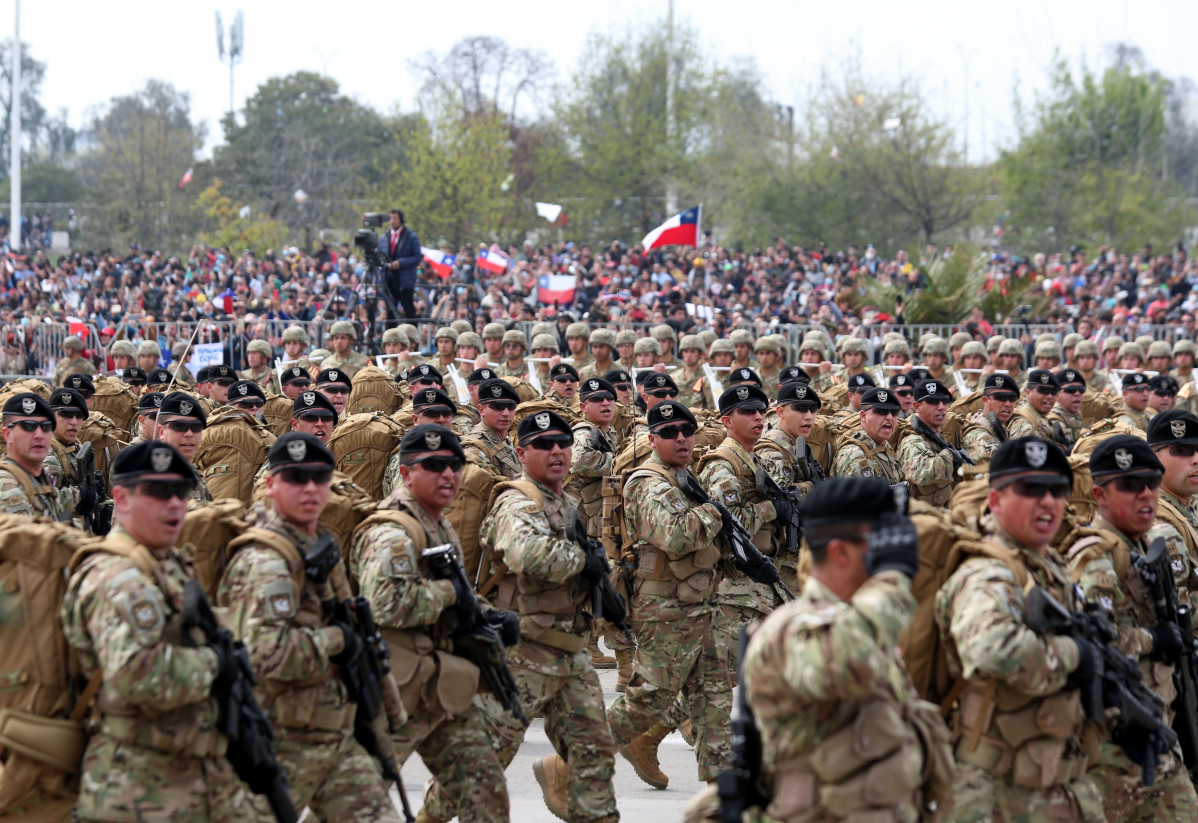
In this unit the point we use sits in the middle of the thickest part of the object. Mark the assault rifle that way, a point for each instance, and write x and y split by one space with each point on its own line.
480 645
606 603
367 674
1158 574
738 784
755 565
768 487
960 457
1061 437
815 469
241 719
1000 431
1117 684
98 516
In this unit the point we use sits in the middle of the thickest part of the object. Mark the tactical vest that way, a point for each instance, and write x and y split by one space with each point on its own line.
539 605
588 489
1168 512
934 494
870 449
746 478
430 677
42 497
691 578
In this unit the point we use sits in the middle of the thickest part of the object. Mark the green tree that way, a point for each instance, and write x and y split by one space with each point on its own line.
226 226
45 182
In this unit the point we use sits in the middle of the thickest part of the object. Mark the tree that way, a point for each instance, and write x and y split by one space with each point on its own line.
484 75
229 226
45 182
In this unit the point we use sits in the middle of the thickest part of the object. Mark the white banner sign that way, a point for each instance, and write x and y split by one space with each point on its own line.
205 354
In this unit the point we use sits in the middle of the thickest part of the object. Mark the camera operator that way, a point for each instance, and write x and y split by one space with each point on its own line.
401 248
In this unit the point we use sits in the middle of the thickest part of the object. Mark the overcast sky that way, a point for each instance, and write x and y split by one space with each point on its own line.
97 50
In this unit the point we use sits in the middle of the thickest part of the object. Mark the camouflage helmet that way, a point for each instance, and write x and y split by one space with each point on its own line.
721 344
897 347
1113 342
395 335
148 347
647 344
260 346
625 337
690 341
446 332
1159 348
959 339
1144 341
892 335
741 336
820 336
1085 347
544 341
1184 347
810 345
1131 350
515 336
73 343
1010 345
925 337
295 334
461 326
123 348
708 337
934 345
344 327
542 327
602 337
853 344
771 342
469 338
664 332
1071 340
1045 337
316 355
179 349
1047 348
973 348
993 342
493 331
578 330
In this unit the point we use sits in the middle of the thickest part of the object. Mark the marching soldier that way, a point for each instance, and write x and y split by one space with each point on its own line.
343 335
621 381
1160 357
493 342
563 387
771 357
487 444
25 487
313 413
222 378
646 352
902 386
602 347
934 354
973 357
1010 357
295 645
694 389
545 353
1067 411
929 467
720 353
811 355
277 410
1173 438
1183 373
177 366
235 444
1135 401
295 343
666 338
62 469
625 340
258 355
336 384
989 426
395 341
577 338
148 355
445 340
1086 355
867 453
1162 394
1031 418
742 346
181 423
73 362
147 412
515 348
123 354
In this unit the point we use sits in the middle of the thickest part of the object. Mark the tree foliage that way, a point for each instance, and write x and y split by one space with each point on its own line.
485 75
228 225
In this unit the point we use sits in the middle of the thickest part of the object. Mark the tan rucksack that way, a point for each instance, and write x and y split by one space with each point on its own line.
207 531
277 412
234 448
115 400
42 737
524 390
106 439
467 511
1103 429
1096 406
374 391
362 444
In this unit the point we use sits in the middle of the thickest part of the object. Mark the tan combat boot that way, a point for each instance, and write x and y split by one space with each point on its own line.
551 773
642 754
599 660
624 664
688 734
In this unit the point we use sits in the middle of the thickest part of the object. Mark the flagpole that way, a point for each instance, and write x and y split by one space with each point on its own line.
699 226
671 192
14 226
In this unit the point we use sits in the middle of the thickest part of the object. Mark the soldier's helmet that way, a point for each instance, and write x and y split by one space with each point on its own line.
935 345
148 347
395 335
603 337
664 332
515 336
626 337
295 334
72 343
741 336
647 344
260 346
123 348
469 338
493 331
545 341
344 327
689 342
461 327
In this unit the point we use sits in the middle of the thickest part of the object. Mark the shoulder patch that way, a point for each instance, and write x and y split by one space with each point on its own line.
279 598
673 499
142 609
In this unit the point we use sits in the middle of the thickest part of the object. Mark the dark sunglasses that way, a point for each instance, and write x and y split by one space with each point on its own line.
666 393
32 425
249 405
1029 488
299 382
1163 393
885 412
1048 390
907 393
1135 485
1004 397
181 426
1135 388
166 489
672 432
934 401
333 388
70 414
302 477
1073 390
546 442
436 465
313 416
1182 450
565 378
501 405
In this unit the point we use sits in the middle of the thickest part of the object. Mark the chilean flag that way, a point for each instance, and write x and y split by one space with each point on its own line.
493 259
680 230
556 288
441 262
77 327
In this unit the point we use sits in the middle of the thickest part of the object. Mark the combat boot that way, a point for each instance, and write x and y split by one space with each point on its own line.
642 754
599 660
624 664
551 773
688 734
423 816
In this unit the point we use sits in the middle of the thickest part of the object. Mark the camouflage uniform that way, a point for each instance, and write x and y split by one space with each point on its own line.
22 493
157 754
1177 523
504 370
411 608
279 616
1071 424
779 454
588 466
929 469
980 440
351 363
979 613
860 456
484 447
673 606
67 366
1096 563
694 389
550 664
1133 418
1027 421
265 377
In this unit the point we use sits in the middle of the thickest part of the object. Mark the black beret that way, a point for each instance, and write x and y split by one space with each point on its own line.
746 397
618 377
546 422
81 383
158 377
917 374
497 391
202 374
1134 381
134 376
328 376
790 374
149 402
563 371
875 398
1042 379
430 437
999 383
222 372
182 405
68 399
902 381
1031 457
299 450
424 373
1163 384
1124 454
1173 426
244 389
861 382
932 390
29 404
150 458
1067 377
656 381
669 412
798 394
743 375
592 387
426 399
479 376
295 373
841 499
312 401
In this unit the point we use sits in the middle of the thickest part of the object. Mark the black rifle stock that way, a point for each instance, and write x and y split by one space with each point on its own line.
98 519
768 487
241 719
960 458
738 784
606 603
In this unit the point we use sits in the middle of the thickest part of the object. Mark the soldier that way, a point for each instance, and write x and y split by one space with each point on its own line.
277 410
1183 373
1067 411
1131 357
1160 357
336 384
62 469
546 354
625 340
148 356
1047 355
678 656
222 378
621 381
602 347
1173 438
343 335
867 453
811 354
247 396
295 342
927 466
646 353
487 444
853 352
896 357
72 363
667 338
989 429
493 342
1135 401
295 645
123 353
147 413
515 347
1010 669
1162 394
467 415
313 413
548 580
1010 358
395 341
157 753
577 337
902 386
160 378
956 343
181 423
446 342
25 487
419 616
694 389
469 345
563 383
1086 356
432 406
721 353
236 443
857 384
742 346
1031 417
177 367
934 354
771 357
258 355
1126 477
1068 347
973 364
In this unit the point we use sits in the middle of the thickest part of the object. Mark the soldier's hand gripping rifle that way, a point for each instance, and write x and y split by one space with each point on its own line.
483 636
815 469
363 665
606 603
1158 574
1062 437
96 511
960 457
768 488
241 719
1115 682
738 785
755 565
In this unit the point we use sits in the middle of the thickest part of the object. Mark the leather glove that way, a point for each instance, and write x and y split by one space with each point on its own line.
508 626
595 567
1167 642
352 647
1083 675
466 606
103 520
782 509
599 443
893 543
87 501
224 673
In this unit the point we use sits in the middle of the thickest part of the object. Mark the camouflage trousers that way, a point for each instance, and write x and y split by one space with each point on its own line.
126 782
726 625
460 756
980 796
679 662
333 775
1170 797
572 708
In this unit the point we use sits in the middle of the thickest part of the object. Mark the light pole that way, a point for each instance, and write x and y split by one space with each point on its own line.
236 48
14 228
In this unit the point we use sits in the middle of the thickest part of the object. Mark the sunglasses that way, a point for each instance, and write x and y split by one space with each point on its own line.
672 432
313 416
302 477
666 393
1004 397
166 489
1073 390
249 405
546 442
885 412
1135 388
1135 485
1034 490
1050 391
1182 450
501 404
1164 393
436 465
182 426
299 382
333 388
934 401
32 425
904 394
70 414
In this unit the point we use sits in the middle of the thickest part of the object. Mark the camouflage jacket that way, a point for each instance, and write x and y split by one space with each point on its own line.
694 390
595 369
980 440
519 370
23 493
485 447
928 468
265 377
1070 422
1177 524
588 464
1027 421
860 456
65 367
1133 418
351 363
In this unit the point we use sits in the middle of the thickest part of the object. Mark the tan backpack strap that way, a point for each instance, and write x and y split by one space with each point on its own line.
139 555
88 695
655 470
404 519
529 490
276 541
